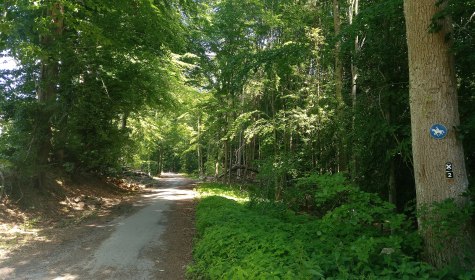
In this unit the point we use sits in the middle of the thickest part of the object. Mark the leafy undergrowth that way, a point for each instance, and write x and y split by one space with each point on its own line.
358 236
215 189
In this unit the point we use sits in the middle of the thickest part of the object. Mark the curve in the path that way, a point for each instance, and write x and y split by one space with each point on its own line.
128 252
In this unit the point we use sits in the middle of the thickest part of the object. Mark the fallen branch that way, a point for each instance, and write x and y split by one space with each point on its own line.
236 167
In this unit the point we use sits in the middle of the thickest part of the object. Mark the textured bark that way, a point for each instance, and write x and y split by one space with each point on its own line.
47 89
433 99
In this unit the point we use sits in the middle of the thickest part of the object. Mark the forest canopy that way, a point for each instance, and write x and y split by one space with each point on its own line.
265 92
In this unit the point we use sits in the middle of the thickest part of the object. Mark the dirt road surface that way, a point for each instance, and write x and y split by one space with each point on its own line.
151 242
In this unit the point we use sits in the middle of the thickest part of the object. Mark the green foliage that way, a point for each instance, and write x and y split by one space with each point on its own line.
380 119
243 247
463 34
115 60
218 189
447 221
326 191
16 137
358 237
275 172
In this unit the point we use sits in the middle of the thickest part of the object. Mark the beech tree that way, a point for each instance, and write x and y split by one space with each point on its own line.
439 166
46 91
268 92
77 82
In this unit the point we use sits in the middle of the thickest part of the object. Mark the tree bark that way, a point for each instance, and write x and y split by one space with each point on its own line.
47 89
342 164
433 100
353 11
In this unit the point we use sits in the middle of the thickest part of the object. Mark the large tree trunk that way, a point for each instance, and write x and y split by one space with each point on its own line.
433 100
47 89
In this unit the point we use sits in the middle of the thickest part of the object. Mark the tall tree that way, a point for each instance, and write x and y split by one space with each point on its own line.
78 82
53 16
341 149
353 11
433 100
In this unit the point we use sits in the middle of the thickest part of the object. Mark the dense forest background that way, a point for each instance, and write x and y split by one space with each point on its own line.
268 92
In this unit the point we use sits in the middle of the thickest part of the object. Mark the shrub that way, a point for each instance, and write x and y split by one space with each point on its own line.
358 236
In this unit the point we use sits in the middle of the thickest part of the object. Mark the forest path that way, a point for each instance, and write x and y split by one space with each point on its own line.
153 242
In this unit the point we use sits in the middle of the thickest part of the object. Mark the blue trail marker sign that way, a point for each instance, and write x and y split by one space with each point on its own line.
438 131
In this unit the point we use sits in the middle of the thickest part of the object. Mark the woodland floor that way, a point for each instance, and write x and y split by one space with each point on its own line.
68 233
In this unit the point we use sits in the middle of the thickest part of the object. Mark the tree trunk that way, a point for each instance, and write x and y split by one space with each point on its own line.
125 116
392 182
433 100
47 89
341 150
198 149
338 65
230 163
353 11
388 114
239 155
160 162
216 169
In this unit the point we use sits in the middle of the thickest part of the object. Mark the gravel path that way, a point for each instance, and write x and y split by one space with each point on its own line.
154 242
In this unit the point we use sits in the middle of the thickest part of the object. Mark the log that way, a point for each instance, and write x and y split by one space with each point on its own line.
236 167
